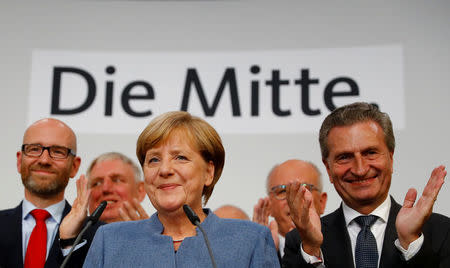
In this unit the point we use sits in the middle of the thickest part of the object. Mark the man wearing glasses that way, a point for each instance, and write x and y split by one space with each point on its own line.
275 204
46 161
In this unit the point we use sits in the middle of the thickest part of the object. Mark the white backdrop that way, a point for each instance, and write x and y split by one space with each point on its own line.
421 28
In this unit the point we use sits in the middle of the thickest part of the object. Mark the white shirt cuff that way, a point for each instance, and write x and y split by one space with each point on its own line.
65 251
312 259
413 248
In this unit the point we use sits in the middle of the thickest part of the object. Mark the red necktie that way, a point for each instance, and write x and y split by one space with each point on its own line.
37 245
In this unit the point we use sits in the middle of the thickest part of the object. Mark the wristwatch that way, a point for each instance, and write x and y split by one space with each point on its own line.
66 242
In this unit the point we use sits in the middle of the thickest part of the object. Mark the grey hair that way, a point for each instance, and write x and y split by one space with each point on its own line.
115 156
351 114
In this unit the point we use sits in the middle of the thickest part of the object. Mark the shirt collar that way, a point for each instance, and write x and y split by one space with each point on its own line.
55 210
382 211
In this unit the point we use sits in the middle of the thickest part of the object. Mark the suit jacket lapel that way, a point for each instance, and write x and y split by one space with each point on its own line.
55 257
390 256
337 249
16 220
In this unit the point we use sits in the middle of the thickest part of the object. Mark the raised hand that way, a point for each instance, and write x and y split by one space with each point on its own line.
305 217
261 213
73 222
132 211
411 218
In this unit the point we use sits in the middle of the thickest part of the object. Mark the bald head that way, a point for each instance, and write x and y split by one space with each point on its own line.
45 177
231 212
293 170
47 128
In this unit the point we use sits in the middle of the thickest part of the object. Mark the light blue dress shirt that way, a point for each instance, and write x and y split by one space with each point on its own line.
52 223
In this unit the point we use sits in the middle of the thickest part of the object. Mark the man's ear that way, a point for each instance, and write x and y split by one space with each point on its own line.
327 166
140 191
270 206
323 202
76 162
19 161
391 155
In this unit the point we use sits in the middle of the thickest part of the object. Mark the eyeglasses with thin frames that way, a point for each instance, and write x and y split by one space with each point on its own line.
279 191
55 152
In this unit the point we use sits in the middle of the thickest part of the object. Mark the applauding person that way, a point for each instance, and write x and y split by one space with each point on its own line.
369 229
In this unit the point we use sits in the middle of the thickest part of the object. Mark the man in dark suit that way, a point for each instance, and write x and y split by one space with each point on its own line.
46 162
369 229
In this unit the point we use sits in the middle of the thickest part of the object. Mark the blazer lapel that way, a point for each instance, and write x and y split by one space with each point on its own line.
337 249
390 256
16 233
55 257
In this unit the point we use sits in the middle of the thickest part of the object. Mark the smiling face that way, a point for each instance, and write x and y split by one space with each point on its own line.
359 165
43 176
175 173
113 181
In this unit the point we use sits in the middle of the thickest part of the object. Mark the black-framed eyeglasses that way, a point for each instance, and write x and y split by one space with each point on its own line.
279 191
55 152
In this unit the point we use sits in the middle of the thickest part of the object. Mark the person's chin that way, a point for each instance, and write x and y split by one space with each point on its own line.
171 205
43 186
366 196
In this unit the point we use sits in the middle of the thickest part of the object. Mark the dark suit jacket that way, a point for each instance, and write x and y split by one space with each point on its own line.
11 242
336 247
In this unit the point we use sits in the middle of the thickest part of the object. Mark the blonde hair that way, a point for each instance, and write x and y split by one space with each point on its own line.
205 138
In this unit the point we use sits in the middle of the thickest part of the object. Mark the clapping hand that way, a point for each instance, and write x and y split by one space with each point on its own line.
412 217
305 217
261 213
132 211
73 222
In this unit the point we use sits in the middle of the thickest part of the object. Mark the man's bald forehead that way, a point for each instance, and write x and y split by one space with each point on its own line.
294 165
54 123
232 212
298 164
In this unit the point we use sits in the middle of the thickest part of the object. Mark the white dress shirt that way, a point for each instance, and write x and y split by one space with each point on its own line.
281 244
52 223
378 229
